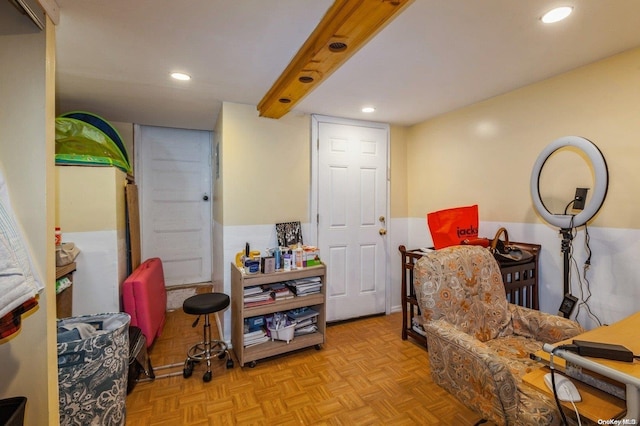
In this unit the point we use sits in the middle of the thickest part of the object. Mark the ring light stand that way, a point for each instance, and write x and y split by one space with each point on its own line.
566 222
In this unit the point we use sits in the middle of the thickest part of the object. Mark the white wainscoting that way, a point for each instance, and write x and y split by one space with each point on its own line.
614 282
613 279
101 270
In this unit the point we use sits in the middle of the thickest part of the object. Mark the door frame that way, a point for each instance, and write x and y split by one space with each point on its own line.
316 120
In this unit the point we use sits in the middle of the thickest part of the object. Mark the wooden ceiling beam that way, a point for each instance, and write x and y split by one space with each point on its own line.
345 28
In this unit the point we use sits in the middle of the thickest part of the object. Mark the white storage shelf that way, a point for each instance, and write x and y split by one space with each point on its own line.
240 280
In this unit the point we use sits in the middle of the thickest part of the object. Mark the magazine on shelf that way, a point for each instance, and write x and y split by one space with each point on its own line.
274 286
256 296
306 322
255 337
304 286
259 302
252 290
255 342
279 291
312 328
300 314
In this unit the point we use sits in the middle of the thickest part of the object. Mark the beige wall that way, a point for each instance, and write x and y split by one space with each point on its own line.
217 206
85 198
484 153
27 64
399 202
90 210
265 167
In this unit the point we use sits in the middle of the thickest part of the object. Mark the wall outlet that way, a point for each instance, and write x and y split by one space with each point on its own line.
580 198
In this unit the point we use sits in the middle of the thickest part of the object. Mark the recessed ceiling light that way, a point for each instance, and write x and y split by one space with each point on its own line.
337 46
368 109
180 76
557 14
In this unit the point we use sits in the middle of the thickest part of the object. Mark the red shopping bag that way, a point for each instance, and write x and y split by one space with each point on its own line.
451 226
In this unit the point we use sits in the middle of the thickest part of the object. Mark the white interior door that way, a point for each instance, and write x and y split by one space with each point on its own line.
174 176
352 210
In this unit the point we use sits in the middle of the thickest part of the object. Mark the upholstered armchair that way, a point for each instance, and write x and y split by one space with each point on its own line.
478 342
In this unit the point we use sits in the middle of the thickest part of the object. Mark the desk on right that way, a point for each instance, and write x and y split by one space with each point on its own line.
598 405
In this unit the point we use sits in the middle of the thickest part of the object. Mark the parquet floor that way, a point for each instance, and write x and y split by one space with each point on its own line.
365 374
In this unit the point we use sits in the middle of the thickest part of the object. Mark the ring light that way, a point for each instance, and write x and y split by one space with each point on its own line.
600 187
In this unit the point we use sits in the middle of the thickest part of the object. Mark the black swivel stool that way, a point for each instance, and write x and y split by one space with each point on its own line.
205 304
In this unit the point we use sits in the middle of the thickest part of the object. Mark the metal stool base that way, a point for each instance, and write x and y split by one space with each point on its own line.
205 351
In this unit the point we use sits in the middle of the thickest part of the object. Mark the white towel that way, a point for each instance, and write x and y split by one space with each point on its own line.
18 283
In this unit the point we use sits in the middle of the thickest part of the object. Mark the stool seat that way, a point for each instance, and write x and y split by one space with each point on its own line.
206 303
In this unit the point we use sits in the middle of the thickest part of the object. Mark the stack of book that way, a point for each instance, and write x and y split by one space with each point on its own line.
256 296
279 291
305 286
254 331
306 320
253 338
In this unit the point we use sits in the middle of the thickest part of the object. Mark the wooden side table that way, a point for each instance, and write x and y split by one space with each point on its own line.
64 299
410 306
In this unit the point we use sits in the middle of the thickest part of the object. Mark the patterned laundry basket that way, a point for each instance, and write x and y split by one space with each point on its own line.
92 371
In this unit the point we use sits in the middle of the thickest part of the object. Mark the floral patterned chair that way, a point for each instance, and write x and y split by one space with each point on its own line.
478 342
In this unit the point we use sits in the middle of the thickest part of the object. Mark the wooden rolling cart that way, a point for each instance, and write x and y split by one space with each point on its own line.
520 285
240 280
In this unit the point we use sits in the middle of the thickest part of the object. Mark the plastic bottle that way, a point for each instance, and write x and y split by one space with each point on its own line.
278 258
299 259
287 261
58 233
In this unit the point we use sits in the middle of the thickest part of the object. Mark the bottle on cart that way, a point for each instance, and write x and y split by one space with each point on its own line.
277 254
299 258
287 260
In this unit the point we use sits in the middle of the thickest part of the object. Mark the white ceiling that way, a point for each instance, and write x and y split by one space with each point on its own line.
114 57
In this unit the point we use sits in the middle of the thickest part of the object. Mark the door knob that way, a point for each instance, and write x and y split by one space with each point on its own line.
382 231
381 219
205 197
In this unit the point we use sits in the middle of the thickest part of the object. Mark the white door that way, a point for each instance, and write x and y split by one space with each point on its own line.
174 176
352 210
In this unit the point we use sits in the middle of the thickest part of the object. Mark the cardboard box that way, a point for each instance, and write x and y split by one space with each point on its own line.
254 323
311 257
268 265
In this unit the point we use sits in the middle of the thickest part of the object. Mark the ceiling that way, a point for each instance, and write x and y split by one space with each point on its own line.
114 57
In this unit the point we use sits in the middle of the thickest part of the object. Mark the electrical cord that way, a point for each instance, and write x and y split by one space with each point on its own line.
553 385
567 208
584 281
572 348
574 263
587 247
577 413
